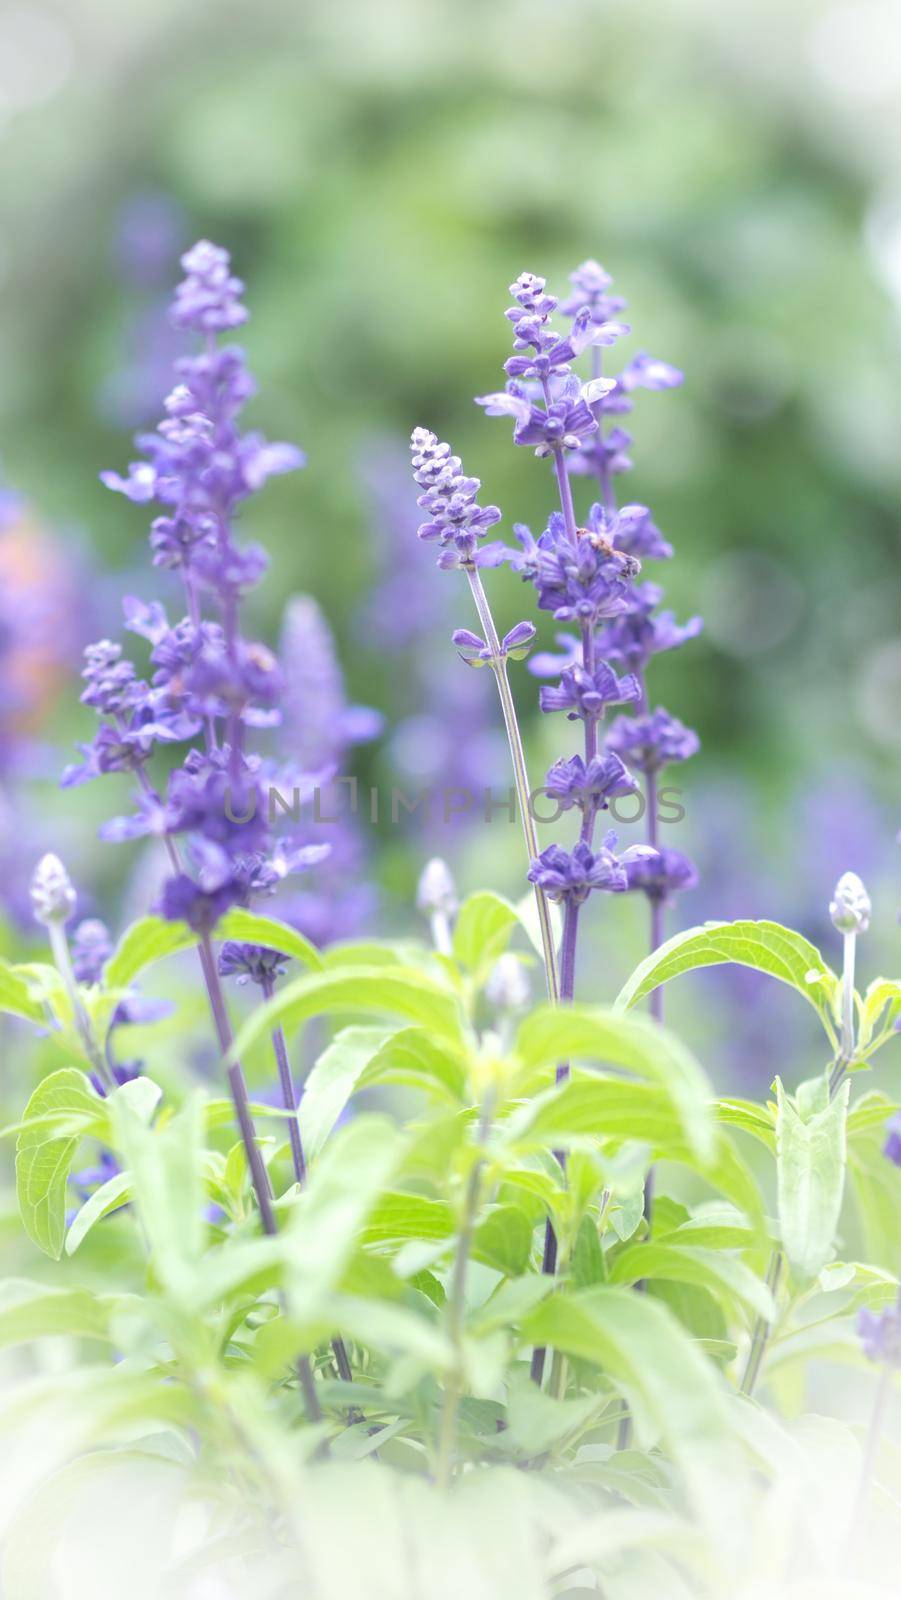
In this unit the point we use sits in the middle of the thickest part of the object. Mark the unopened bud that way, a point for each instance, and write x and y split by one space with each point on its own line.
436 893
508 987
850 909
53 896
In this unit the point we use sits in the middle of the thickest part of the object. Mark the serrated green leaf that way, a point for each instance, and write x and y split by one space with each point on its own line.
765 946
810 1170
64 1108
482 931
594 1033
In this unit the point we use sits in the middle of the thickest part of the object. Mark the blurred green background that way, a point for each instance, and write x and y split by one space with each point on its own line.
381 172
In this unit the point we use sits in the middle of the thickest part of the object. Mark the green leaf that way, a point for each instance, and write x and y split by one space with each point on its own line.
109 1197
396 1217
503 1240
765 946
671 1389
482 931
753 1119
33 1311
269 931
152 939
149 940
412 1057
62 1111
556 1033
875 1182
15 995
535 1420
810 1170
617 1113
880 1011
593 1107
332 1082
166 1166
724 1276
587 1265
331 1215
394 991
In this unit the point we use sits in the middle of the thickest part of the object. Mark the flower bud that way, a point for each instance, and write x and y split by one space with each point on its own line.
850 909
508 987
53 896
436 892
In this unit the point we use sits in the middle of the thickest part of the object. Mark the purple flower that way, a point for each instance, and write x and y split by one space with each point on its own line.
652 741
91 949
122 1072
661 874
590 285
209 299
880 1335
631 531
570 875
251 963
476 653
572 783
892 1147
579 581
455 519
586 695
631 639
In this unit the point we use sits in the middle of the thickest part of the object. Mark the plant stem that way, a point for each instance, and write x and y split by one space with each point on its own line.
286 1084
259 1175
520 773
456 1304
761 1330
289 1101
59 946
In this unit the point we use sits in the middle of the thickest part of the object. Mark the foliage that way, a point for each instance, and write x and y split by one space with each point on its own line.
186 1325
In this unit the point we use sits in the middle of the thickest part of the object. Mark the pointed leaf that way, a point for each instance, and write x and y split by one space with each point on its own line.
810 1170
765 946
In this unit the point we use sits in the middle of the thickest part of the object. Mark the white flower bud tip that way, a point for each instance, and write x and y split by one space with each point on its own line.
436 891
53 896
508 987
850 909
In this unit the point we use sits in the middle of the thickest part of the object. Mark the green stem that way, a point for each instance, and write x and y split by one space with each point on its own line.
520 773
59 945
456 1306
